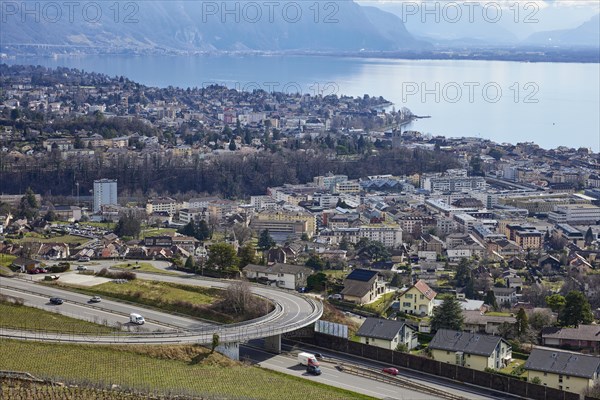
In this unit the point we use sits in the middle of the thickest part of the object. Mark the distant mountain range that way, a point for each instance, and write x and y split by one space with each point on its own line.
551 26
218 26
587 34
335 27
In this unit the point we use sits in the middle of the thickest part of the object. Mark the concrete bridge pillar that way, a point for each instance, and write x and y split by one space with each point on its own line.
273 344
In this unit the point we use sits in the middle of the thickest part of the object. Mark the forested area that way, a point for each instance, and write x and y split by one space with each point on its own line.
232 176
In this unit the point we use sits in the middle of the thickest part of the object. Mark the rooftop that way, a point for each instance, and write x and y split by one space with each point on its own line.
470 343
380 328
563 362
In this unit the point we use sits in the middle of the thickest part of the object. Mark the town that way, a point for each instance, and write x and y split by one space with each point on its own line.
464 251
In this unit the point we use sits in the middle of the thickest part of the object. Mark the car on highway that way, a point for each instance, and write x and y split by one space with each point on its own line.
313 370
82 268
84 259
95 299
391 371
56 300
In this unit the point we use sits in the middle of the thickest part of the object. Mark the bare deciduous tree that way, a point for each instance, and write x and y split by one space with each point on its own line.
242 233
240 300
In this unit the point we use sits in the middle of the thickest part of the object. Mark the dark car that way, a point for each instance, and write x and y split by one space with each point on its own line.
313 370
56 300
391 371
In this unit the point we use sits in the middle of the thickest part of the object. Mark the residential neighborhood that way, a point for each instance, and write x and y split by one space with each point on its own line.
484 256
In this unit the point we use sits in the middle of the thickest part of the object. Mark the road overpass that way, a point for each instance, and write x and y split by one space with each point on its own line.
291 311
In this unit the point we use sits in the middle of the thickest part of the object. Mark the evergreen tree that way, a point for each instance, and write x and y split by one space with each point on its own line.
463 273
470 289
265 241
50 216
522 324
222 256
247 256
189 229
577 310
490 300
189 263
232 145
128 225
315 262
247 136
28 207
448 315
344 244
589 236
316 282
203 231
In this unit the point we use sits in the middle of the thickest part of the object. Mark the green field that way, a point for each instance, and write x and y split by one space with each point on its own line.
103 225
142 267
157 232
187 370
69 239
154 292
29 318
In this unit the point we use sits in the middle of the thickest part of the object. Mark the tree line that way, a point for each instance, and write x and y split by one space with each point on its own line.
231 176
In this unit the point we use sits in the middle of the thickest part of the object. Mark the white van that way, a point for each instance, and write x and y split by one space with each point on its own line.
307 359
136 319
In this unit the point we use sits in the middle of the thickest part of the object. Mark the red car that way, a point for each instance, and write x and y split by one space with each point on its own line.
391 371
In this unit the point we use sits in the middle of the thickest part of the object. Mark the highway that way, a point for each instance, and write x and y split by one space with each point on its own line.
288 364
437 382
292 311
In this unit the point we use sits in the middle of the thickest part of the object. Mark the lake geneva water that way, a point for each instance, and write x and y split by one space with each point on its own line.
551 104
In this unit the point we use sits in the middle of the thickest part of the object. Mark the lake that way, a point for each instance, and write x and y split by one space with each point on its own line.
551 104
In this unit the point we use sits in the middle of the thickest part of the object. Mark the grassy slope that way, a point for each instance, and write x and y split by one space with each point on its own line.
69 239
29 318
189 300
6 259
142 267
174 369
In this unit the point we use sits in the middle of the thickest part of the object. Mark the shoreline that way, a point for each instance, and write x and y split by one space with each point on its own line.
525 55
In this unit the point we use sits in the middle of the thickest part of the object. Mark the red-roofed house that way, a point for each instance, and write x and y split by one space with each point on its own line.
418 299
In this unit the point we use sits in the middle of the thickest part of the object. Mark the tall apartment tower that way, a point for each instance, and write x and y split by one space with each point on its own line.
397 138
105 192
